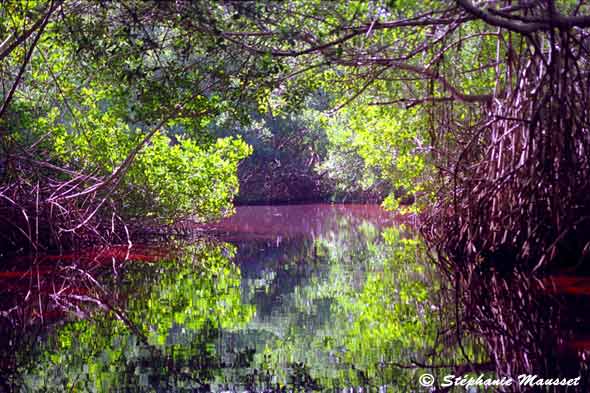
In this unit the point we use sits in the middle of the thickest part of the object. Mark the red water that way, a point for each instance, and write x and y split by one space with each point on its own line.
568 285
32 282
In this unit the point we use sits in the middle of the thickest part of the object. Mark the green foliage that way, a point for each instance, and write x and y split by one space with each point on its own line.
385 143
405 81
391 311
344 165
287 149
95 90
168 180
121 68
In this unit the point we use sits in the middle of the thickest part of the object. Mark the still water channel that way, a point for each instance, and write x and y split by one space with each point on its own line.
281 298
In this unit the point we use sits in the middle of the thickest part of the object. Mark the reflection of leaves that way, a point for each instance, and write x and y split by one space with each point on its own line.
300 378
190 296
339 311
179 306
365 309
389 311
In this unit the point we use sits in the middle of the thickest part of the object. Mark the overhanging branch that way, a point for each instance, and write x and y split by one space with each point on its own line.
530 25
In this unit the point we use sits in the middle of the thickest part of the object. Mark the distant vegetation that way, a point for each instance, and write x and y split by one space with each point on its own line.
304 157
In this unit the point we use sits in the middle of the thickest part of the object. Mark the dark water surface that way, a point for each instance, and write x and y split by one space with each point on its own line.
286 298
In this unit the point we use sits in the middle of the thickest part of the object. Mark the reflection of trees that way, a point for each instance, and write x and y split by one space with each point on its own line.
158 328
36 292
364 313
371 310
352 306
524 326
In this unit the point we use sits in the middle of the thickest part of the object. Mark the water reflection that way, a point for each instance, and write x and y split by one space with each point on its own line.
529 325
294 298
288 221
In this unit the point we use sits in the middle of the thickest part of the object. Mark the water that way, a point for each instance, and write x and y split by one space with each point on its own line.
285 298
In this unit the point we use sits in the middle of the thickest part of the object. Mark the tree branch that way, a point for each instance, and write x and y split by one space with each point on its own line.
26 60
531 25
455 93
10 43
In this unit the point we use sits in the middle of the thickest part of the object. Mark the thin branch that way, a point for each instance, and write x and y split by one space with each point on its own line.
413 101
455 93
23 67
9 44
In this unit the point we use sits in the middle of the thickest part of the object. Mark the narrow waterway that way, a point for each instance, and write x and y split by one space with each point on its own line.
281 298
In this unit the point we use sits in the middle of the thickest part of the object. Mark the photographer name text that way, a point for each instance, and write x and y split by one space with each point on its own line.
530 380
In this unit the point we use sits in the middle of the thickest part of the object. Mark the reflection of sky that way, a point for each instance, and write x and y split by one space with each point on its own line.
279 263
